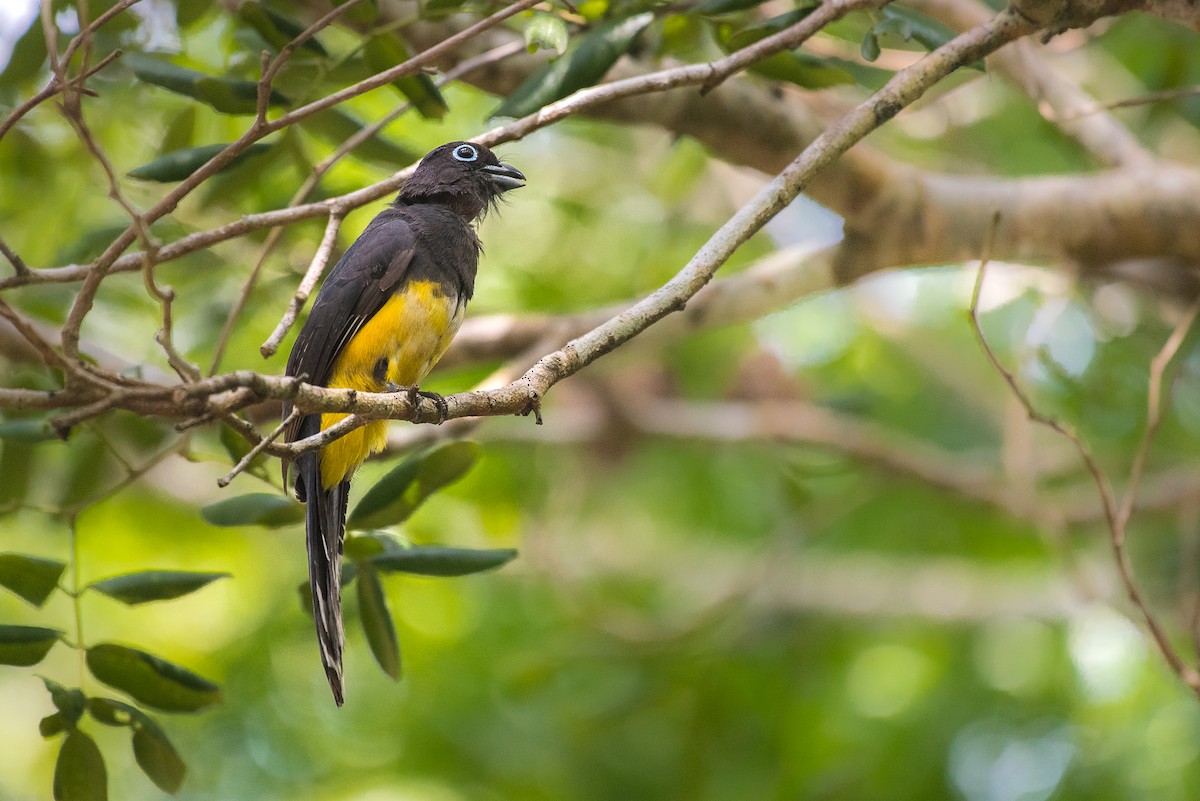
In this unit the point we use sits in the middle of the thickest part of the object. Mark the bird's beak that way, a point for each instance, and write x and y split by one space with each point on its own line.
504 176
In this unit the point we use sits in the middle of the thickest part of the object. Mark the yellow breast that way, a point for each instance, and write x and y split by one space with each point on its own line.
399 345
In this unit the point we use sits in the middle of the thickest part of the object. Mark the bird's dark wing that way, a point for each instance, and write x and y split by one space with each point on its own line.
357 287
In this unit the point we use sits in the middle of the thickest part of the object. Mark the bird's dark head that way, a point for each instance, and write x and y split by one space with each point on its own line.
462 175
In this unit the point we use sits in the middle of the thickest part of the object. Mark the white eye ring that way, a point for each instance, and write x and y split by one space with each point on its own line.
465 153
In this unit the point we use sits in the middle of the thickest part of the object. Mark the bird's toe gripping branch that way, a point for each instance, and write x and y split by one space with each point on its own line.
415 393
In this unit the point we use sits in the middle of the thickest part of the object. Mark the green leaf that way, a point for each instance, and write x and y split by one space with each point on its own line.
70 702
398 494
23 646
909 25
153 585
712 8
27 429
52 725
226 95
388 50
30 577
336 126
870 46
157 758
433 9
276 29
79 774
768 27
546 32
180 132
360 16
112 712
583 66
254 509
376 620
802 69
179 164
150 680
27 57
368 544
435 561
188 12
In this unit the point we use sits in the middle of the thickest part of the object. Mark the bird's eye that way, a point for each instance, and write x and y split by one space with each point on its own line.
466 153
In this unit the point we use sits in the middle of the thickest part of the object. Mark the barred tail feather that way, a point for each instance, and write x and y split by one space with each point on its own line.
326 526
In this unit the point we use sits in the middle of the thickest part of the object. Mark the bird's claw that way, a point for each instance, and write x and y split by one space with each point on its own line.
438 401
415 393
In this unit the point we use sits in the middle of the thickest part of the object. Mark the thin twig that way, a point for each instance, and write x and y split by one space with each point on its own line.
57 81
1156 407
1107 498
20 268
253 453
311 276
1130 102
72 108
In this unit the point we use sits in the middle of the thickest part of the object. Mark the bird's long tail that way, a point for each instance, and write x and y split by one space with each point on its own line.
326 527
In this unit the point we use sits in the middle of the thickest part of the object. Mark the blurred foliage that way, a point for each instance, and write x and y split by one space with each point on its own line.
691 616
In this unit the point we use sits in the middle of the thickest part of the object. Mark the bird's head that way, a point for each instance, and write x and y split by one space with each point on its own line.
462 175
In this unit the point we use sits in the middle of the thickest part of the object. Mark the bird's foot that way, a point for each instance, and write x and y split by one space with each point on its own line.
415 393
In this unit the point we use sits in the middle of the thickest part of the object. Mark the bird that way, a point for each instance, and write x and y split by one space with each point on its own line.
385 314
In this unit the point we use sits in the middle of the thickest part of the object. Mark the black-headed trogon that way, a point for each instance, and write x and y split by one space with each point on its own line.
385 314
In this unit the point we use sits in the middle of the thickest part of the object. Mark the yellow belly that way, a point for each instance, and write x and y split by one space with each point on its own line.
411 331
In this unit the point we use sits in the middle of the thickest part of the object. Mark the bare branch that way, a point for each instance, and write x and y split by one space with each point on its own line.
57 80
311 276
1113 517
253 453
20 269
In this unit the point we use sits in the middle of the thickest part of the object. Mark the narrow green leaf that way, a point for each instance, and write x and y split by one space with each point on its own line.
31 577
802 69
27 57
23 646
546 32
79 774
276 29
388 50
370 543
870 46
362 15
70 702
179 164
336 126
150 680
254 509
157 757
180 132
226 95
712 8
27 429
398 494
376 619
112 712
153 585
434 561
761 30
52 725
912 26
433 9
188 12
583 66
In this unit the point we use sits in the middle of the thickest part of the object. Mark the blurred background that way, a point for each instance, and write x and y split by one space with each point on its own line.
822 554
